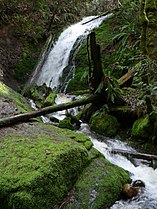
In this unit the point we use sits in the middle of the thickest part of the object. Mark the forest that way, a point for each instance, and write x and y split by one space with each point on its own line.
113 85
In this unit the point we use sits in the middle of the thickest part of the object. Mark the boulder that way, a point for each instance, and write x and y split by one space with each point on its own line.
99 186
142 129
104 124
39 166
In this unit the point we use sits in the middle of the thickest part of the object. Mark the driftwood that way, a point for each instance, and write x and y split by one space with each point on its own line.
137 155
28 115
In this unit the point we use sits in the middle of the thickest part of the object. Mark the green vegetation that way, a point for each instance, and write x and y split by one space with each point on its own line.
99 186
15 98
38 166
104 124
142 128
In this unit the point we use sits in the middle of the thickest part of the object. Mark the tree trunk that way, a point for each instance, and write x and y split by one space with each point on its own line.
96 71
28 115
144 23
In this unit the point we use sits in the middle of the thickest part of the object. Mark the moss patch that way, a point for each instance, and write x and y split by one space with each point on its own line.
99 186
13 97
38 166
104 124
142 128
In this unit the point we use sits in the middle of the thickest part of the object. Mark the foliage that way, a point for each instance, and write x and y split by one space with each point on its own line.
110 86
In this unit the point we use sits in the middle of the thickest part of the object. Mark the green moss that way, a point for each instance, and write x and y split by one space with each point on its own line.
16 98
38 167
142 128
66 123
104 124
76 136
99 186
78 82
50 99
88 145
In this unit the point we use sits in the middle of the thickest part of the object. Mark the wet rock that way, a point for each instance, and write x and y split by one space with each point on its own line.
132 190
129 191
138 183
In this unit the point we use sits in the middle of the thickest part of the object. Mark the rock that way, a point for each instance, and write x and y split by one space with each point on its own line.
142 128
99 186
40 164
129 191
138 183
104 124
50 99
66 123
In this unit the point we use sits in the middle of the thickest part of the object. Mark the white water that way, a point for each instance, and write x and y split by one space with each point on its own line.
138 170
59 56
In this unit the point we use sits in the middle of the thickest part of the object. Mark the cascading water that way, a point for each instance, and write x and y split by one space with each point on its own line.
50 74
58 57
138 170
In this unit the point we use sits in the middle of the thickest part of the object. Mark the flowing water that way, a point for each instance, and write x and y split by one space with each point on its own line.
50 74
58 57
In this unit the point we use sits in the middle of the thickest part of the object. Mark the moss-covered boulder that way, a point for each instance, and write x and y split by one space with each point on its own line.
142 128
99 186
104 124
50 99
11 102
39 165
66 123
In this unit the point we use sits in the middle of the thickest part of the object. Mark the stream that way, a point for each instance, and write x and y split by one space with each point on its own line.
51 73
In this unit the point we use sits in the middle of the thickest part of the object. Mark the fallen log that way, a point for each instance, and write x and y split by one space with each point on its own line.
126 77
137 155
24 117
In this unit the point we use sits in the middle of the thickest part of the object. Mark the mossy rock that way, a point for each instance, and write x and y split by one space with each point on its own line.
39 165
66 123
104 124
41 95
99 186
142 128
15 102
50 99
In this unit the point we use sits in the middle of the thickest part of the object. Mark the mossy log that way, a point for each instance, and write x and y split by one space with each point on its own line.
137 155
28 115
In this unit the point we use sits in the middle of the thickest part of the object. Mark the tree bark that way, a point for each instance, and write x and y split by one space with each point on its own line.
28 115
96 71
137 155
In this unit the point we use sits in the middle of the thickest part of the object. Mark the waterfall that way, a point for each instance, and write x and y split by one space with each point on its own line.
58 57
